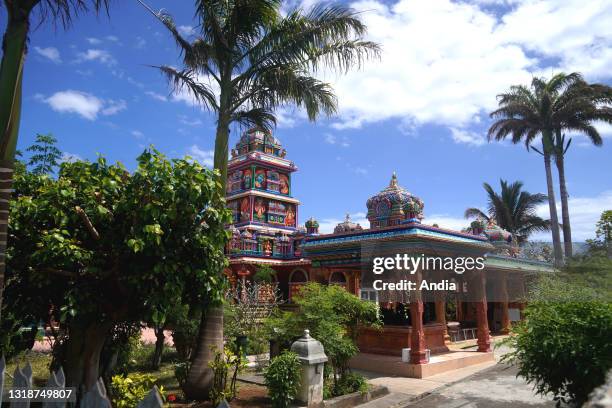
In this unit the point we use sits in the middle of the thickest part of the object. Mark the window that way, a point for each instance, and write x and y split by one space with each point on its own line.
369 294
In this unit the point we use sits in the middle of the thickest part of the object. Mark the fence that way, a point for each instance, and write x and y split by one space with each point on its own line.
96 397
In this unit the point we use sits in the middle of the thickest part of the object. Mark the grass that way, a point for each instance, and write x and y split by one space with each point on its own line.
139 363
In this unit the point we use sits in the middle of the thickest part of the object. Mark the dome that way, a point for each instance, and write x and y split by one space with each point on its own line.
347 226
394 205
258 140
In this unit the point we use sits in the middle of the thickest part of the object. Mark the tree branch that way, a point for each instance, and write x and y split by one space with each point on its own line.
92 230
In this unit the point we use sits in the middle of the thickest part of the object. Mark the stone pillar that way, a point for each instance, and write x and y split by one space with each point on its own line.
484 339
505 318
418 354
441 316
313 358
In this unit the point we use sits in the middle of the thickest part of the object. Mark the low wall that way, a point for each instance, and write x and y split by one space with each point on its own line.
392 339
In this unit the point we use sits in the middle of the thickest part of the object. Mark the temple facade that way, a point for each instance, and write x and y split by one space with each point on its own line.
265 231
265 214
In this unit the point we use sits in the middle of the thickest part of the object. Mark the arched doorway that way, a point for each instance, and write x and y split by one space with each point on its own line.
297 279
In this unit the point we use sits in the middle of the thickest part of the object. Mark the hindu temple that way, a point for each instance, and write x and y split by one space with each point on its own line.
266 230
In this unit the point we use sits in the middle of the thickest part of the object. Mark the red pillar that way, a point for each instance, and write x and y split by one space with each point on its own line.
484 339
505 320
417 335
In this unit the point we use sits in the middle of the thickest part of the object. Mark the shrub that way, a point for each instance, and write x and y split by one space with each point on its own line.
283 379
224 386
351 382
334 317
128 391
563 347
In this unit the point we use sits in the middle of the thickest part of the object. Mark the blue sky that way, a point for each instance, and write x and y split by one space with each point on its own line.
420 111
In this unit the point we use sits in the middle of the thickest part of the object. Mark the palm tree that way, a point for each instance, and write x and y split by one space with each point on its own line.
513 209
583 103
247 61
563 103
14 48
526 113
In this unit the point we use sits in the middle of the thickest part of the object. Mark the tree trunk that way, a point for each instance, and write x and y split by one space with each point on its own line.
159 347
82 359
567 230
552 206
11 73
210 339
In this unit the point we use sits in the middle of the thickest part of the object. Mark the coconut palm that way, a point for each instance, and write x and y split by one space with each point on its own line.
246 61
14 50
513 209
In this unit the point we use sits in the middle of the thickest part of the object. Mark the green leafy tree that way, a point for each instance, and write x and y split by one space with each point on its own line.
604 230
100 247
545 110
247 60
334 317
512 209
283 379
45 155
14 50
562 347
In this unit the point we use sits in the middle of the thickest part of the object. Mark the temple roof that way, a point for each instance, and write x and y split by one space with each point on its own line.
347 226
259 140
394 201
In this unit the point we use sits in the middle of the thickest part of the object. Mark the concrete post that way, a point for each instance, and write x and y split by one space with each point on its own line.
313 358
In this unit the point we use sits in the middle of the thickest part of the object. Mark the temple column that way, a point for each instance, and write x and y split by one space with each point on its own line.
441 315
484 338
417 336
505 318
458 303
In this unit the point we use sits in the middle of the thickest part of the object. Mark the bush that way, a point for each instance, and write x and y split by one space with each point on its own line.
224 386
128 391
283 379
351 382
334 317
563 347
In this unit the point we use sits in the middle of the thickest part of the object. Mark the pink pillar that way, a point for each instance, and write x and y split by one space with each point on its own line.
505 319
484 339
417 337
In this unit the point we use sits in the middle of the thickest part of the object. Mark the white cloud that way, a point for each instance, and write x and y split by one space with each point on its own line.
189 122
468 137
329 138
186 30
93 40
112 107
51 53
443 62
112 38
584 214
137 134
156 96
205 157
140 42
83 104
101 56
447 221
70 157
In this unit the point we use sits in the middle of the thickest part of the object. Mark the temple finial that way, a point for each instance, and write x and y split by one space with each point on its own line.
393 182
348 217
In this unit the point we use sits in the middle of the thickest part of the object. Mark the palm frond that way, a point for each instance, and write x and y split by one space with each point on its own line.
186 80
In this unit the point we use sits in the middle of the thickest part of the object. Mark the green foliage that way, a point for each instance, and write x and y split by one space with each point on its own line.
282 378
513 209
333 316
224 386
264 273
105 247
604 226
563 346
45 156
128 391
351 382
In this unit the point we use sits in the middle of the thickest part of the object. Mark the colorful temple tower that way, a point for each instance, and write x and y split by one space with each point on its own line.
265 215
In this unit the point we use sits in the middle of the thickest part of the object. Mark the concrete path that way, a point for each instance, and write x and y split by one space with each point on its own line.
495 387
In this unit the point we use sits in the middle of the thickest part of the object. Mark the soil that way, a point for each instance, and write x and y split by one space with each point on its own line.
249 396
